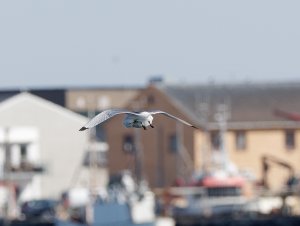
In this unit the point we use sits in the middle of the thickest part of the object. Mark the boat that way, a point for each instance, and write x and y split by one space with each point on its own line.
214 195
123 202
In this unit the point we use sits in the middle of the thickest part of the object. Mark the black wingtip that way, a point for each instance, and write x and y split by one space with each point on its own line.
83 128
195 127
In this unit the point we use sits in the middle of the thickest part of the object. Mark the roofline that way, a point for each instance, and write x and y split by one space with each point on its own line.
105 88
44 103
291 83
242 125
259 125
68 88
180 107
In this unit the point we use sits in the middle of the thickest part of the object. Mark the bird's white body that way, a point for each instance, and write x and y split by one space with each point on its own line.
132 119
138 121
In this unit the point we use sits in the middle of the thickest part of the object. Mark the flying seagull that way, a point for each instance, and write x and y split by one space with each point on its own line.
132 119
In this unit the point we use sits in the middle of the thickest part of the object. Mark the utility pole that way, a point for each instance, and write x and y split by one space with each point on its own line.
138 155
138 148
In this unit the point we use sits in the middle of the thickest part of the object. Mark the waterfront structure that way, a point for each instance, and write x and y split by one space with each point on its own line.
40 146
240 124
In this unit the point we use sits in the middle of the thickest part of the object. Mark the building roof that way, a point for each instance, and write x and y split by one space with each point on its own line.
98 99
56 96
7 94
28 97
249 105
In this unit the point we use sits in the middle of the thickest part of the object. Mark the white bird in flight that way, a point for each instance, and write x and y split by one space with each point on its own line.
132 119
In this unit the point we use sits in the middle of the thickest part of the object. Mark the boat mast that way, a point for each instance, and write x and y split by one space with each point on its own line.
221 117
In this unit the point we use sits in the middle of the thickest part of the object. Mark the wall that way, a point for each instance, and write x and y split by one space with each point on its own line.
159 162
61 145
265 142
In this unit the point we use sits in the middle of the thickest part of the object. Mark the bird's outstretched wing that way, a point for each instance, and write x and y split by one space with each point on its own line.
104 116
173 117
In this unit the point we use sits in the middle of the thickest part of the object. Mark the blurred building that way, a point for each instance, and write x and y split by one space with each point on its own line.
91 101
55 95
239 124
97 99
41 147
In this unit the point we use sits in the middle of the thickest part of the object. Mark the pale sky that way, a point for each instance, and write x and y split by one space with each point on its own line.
123 42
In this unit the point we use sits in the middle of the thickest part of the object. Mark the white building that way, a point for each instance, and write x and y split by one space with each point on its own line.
41 148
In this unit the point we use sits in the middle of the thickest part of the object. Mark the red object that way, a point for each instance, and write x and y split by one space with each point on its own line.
287 115
220 182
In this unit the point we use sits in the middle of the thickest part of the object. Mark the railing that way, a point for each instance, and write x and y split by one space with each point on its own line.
27 167
25 171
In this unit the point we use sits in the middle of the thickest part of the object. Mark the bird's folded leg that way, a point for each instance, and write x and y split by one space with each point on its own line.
151 125
144 127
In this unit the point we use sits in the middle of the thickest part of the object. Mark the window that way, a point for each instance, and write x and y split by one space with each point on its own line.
240 140
173 143
80 102
215 140
103 102
23 149
23 154
128 144
290 139
95 158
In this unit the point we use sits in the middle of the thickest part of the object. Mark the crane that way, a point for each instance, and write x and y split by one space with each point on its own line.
266 160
